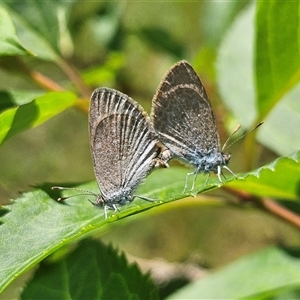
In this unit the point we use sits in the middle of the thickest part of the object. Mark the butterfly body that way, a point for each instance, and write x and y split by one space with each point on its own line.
207 162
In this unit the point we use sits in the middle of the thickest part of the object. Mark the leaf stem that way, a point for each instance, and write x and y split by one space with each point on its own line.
49 84
42 80
75 77
275 208
45 81
268 205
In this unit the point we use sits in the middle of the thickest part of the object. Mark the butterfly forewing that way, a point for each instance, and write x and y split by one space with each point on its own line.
182 114
123 141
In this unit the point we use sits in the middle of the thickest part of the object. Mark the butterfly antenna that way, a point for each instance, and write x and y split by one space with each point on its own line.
242 136
83 192
227 141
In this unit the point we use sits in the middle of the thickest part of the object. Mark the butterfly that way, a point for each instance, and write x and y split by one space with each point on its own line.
124 148
184 121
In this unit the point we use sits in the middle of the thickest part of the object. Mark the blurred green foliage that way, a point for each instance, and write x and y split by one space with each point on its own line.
53 54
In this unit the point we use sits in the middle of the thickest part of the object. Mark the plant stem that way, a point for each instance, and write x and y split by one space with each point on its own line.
268 205
42 80
280 211
45 81
75 77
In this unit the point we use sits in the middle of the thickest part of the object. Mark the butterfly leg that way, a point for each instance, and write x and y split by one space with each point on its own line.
194 181
208 176
107 207
186 180
225 167
144 198
219 173
115 207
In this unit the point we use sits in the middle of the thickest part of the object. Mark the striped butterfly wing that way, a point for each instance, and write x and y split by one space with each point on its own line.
182 114
123 142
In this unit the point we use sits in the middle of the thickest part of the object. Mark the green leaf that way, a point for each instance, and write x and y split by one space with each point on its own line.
225 12
33 39
70 277
277 51
279 179
105 73
34 227
9 42
18 119
45 21
12 98
102 30
160 39
261 275
48 225
283 139
235 57
37 225
238 89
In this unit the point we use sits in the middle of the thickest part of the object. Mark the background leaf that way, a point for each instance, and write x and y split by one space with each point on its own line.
261 275
279 179
18 119
238 90
65 223
112 277
12 98
33 39
277 52
161 40
9 42
45 21
280 133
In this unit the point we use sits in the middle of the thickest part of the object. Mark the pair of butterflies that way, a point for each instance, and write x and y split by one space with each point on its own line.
126 146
